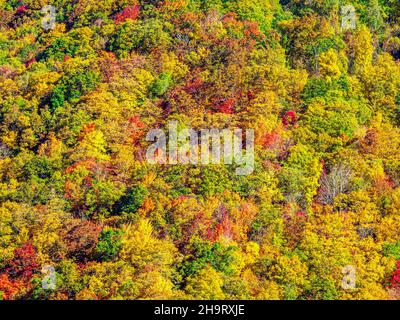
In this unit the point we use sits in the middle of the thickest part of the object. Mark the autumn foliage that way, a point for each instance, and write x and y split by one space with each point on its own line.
131 12
77 193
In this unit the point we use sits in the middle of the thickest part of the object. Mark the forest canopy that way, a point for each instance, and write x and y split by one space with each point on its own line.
83 83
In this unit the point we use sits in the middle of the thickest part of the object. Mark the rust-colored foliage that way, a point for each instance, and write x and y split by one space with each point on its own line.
80 238
135 129
294 228
8 287
369 142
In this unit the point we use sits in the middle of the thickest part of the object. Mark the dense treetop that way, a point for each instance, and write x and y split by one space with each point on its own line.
77 194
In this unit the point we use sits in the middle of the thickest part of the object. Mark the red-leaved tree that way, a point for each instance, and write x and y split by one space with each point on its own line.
131 12
24 263
395 281
289 118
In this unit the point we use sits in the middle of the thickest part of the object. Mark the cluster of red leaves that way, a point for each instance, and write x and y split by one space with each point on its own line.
24 263
289 118
226 106
131 12
395 281
21 9
18 271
